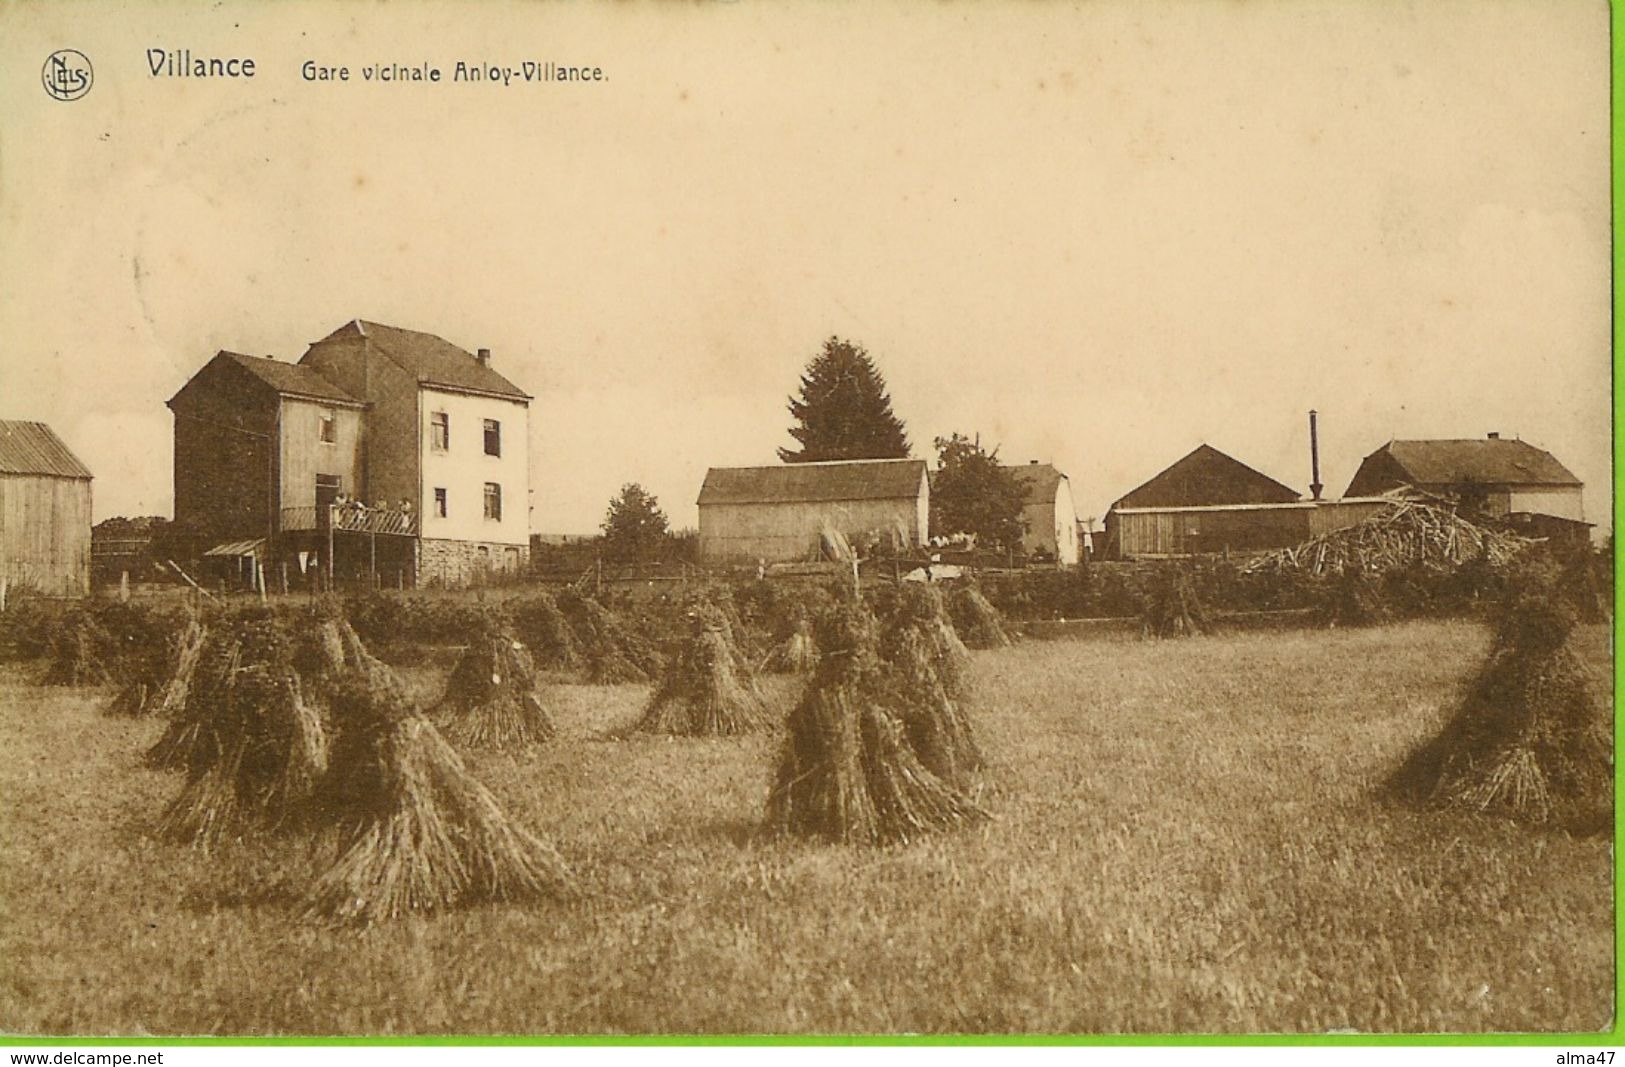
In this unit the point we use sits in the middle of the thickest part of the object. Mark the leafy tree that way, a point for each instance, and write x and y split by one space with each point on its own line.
634 527
843 411
971 493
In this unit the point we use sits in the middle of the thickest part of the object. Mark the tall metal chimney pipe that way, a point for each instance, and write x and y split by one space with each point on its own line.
1314 457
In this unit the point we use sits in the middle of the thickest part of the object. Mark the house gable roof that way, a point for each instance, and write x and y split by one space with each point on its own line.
1484 460
289 379
1208 476
1040 481
799 483
431 360
33 448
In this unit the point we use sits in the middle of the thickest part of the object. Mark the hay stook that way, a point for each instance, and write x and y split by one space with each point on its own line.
1530 741
847 772
707 689
159 684
252 744
545 631
490 699
976 621
612 654
82 651
415 831
1173 607
931 681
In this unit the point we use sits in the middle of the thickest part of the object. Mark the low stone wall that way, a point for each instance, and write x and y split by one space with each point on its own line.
459 563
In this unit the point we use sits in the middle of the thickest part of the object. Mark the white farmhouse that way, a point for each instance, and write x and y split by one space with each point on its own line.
444 432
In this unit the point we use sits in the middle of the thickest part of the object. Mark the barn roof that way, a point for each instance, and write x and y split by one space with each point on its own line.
1208 476
1485 460
432 360
292 379
858 479
1039 480
33 448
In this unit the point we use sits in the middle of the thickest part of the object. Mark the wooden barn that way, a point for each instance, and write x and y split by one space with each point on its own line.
778 514
1051 516
1209 503
44 512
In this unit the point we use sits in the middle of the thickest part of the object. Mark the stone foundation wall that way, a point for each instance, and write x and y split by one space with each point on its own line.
460 563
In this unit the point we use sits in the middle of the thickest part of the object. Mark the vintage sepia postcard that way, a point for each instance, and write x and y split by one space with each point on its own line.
743 518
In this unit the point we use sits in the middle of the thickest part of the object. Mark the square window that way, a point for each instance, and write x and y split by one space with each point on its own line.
493 501
328 428
439 503
439 431
493 437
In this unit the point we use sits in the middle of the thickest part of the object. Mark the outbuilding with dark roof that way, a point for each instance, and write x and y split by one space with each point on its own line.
1500 476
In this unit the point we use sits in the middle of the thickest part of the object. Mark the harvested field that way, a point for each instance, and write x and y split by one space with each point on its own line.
1188 836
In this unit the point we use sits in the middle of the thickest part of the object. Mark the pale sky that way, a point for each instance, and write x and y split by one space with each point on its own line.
1098 234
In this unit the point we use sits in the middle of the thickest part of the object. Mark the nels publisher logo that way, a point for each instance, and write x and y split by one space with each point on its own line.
67 74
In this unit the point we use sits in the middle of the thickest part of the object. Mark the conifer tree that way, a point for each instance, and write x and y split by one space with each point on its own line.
843 410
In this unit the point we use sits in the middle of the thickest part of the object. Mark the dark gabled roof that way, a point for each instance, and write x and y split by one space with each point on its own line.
32 448
1482 460
859 479
432 360
290 379
1039 480
1208 476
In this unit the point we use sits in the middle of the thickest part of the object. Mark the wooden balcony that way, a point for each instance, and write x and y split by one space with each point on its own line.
351 518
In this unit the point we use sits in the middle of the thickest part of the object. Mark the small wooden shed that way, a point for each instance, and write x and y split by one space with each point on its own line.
44 512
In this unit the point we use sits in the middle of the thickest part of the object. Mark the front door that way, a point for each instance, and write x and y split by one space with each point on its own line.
328 487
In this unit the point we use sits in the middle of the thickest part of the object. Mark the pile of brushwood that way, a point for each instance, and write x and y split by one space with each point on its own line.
848 771
707 688
490 699
1399 536
290 726
1530 741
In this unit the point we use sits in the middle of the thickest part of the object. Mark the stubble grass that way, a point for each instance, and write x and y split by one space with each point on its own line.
1189 836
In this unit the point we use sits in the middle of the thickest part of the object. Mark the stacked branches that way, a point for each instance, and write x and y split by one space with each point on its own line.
847 772
707 689
1400 536
490 698
1530 741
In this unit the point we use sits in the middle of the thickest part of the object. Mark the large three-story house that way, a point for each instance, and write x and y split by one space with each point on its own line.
383 453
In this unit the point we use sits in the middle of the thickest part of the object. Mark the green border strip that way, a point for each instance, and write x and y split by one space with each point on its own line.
1581 1041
